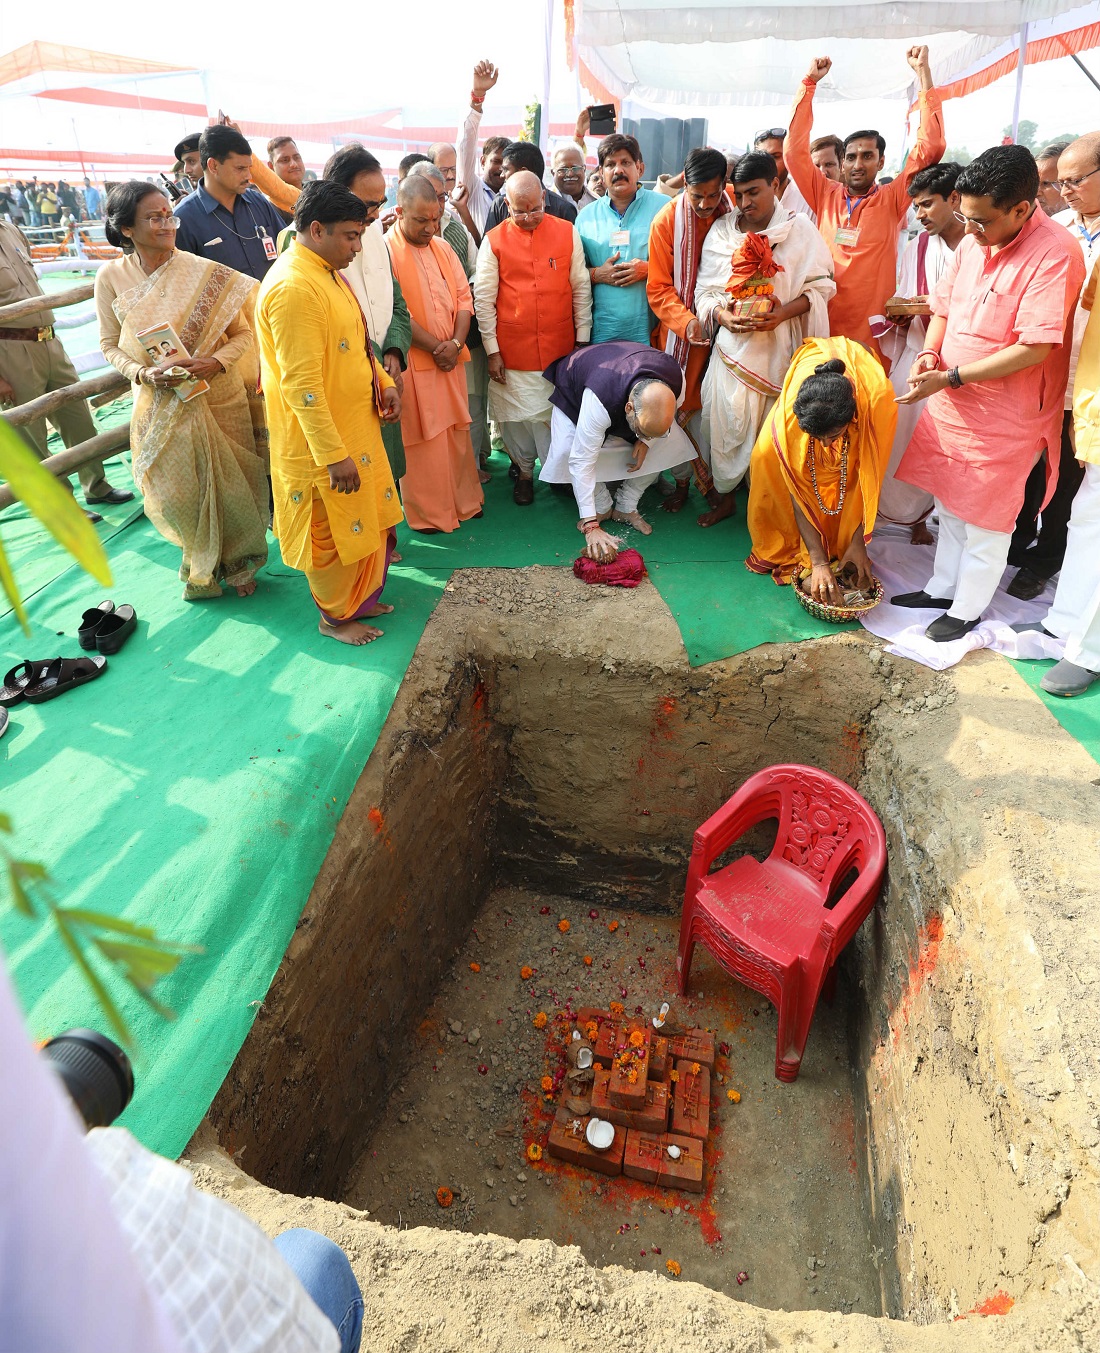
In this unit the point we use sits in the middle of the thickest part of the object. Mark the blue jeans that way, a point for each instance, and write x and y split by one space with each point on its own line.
323 1270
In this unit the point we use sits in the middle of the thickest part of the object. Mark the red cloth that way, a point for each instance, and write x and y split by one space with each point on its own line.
626 571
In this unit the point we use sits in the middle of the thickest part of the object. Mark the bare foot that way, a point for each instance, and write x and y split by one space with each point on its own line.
380 608
246 589
919 534
678 497
395 558
634 519
351 632
485 476
723 505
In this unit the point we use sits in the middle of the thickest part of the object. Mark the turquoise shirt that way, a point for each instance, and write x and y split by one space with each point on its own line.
619 312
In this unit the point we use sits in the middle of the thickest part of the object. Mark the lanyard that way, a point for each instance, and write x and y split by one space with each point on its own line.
258 232
1089 239
858 202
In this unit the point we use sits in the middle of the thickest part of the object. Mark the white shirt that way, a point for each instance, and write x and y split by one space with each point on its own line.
1091 250
793 200
481 195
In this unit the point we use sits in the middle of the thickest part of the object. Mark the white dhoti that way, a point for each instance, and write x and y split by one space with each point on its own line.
521 410
733 414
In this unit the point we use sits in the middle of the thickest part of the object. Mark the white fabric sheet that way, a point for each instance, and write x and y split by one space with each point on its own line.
904 567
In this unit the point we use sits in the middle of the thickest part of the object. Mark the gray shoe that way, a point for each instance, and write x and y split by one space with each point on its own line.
1066 678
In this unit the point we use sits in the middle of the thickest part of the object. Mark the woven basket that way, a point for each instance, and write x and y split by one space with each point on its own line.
836 615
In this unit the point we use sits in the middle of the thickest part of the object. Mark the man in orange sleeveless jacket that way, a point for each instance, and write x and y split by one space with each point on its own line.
533 302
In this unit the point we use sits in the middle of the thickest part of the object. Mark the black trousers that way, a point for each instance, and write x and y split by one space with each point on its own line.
1040 543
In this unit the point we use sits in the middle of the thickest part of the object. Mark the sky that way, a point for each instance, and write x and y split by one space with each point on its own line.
303 68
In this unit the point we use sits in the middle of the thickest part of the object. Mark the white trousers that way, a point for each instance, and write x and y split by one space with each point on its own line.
1075 613
477 392
627 496
970 563
526 442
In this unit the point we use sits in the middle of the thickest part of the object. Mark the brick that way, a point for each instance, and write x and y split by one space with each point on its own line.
691 1103
646 1159
697 1045
587 1013
651 1117
570 1146
659 1061
604 1051
625 1094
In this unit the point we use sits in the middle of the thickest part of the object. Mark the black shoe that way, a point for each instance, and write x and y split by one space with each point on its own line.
1031 626
1026 585
523 492
945 628
114 496
115 629
90 623
93 517
920 601
513 470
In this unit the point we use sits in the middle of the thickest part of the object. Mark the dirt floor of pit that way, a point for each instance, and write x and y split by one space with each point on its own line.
783 1195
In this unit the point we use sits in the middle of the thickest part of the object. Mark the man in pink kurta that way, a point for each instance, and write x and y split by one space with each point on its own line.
440 488
995 364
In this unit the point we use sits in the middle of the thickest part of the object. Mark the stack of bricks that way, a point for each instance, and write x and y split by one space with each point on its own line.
656 1092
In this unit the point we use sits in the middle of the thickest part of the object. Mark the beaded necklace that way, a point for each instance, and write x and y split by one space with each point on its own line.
831 511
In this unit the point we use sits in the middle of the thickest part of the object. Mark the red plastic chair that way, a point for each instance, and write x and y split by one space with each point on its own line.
779 926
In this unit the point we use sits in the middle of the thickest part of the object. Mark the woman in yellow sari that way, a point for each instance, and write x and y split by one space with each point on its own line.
818 464
198 463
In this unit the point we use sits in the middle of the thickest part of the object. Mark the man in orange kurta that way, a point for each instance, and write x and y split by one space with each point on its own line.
858 219
440 488
675 247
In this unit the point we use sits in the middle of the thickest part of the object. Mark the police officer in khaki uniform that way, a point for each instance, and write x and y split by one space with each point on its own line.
33 362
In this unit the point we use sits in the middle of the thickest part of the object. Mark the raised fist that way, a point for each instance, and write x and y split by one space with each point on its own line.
820 66
917 58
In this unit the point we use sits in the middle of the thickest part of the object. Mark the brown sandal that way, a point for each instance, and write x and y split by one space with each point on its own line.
62 675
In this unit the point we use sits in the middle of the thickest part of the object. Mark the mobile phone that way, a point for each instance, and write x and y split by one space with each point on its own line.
601 119
223 121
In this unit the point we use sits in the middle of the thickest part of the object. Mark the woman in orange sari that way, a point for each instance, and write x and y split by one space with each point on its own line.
818 464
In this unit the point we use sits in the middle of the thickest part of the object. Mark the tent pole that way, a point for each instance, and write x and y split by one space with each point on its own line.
543 131
1084 69
1019 83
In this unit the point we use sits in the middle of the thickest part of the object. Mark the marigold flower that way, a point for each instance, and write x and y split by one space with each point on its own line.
733 1097
591 1031
444 1197
637 1038
547 1082
540 1020
673 1267
674 1076
612 926
616 1007
563 926
534 1152
588 960
695 1068
475 967
632 1076
525 972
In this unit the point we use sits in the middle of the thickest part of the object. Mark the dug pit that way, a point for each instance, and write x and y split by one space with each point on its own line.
551 749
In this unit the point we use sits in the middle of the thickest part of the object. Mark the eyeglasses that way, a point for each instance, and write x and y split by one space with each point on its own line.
769 134
1074 183
570 171
526 215
375 206
161 219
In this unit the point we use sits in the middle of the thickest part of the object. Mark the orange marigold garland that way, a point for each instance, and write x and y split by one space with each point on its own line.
752 268
444 1197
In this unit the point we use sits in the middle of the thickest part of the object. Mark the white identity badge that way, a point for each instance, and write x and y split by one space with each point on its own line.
620 239
272 252
846 236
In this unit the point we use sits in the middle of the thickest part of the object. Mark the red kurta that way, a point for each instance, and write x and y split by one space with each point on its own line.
866 272
974 448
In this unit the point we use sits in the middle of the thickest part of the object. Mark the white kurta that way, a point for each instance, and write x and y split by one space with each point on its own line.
746 370
905 504
582 453
525 395
371 279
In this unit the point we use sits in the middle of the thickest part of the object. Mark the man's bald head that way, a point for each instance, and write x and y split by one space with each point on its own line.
416 190
651 408
526 200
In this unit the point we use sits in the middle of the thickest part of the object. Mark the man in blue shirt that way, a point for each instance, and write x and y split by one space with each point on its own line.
225 219
92 201
615 234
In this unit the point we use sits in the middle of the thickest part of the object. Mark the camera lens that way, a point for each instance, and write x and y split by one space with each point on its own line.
96 1072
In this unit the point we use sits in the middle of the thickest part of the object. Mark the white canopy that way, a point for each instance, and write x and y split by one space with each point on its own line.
717 52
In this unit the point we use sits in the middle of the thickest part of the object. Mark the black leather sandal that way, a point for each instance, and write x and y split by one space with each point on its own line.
63 674
19 678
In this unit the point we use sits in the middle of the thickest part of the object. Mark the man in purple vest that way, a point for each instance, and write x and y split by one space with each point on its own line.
613 422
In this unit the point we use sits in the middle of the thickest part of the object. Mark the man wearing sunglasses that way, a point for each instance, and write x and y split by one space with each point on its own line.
994 369
770 140
1039 545
859 219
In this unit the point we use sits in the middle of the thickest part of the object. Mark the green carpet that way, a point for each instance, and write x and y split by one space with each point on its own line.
197 785
1079 716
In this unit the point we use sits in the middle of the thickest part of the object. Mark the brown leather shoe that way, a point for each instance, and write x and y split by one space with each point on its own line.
523 492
